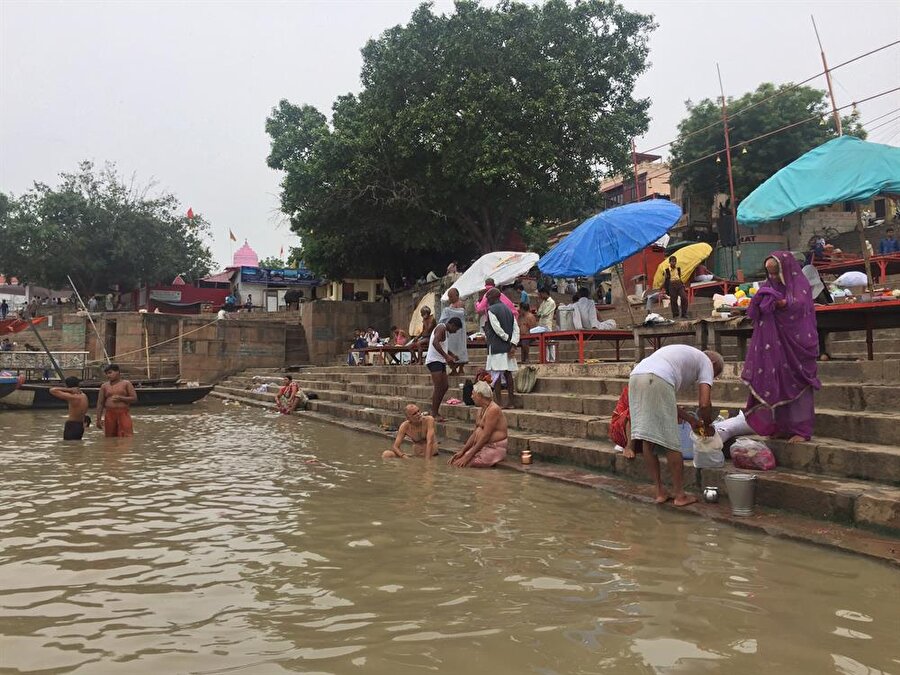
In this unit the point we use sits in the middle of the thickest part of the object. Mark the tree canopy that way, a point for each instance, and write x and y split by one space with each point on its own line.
700 135
100 231
468 126
273 263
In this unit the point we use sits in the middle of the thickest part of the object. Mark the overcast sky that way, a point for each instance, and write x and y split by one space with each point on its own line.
178 92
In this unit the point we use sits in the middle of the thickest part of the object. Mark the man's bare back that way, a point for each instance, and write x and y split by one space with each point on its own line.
77 402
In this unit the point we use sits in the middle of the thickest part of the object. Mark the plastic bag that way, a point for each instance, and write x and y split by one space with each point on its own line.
747 453
687 445
733 426
526 377
708 451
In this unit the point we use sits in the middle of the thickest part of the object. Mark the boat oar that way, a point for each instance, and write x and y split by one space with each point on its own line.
59 372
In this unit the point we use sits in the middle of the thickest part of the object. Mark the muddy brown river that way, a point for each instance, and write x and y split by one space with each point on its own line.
223 539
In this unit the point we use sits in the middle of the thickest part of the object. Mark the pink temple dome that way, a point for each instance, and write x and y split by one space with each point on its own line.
245 257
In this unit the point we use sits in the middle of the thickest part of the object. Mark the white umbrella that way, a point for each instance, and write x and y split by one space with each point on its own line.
502 266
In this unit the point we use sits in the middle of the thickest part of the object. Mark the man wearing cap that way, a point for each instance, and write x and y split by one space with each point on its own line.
114 401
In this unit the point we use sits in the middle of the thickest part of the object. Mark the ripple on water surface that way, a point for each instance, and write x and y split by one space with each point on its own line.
226 539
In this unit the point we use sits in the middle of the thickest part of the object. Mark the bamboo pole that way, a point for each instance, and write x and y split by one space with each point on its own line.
59 372
625 293
737 234
865 249
90 318
834 110
147 347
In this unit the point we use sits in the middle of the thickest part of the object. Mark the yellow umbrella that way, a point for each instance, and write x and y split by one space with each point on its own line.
688 259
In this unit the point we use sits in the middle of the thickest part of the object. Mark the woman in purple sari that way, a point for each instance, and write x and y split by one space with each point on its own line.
781 365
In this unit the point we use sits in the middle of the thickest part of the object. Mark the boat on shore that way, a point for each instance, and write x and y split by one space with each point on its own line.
37 396
8 385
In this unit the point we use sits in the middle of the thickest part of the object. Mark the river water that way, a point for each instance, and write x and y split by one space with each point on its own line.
223 539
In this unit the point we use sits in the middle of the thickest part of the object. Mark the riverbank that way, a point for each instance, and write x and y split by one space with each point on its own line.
811 507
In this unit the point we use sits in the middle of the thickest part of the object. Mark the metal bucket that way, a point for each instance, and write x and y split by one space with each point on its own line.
567 318
741 490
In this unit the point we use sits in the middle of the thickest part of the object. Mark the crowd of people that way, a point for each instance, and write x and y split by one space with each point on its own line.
780 372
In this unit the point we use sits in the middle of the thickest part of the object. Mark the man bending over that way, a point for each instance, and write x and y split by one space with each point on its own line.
652 390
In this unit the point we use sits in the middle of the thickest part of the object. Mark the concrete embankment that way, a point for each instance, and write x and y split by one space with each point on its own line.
842 489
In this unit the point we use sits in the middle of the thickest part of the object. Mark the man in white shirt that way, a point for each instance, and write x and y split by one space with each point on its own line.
587 311
652 390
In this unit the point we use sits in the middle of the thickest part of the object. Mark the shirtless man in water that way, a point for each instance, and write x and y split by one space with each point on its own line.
419 429
115 399
487 444
77 400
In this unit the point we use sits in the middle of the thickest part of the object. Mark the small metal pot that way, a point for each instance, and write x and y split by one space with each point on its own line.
710 494
526 457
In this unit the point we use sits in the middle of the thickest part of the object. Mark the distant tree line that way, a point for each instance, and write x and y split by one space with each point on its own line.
100 231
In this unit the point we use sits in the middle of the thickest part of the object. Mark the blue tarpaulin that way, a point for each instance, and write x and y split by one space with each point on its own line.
844 169
609 237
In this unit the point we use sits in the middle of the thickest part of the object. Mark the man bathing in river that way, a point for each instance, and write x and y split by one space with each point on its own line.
652 388
115 399
77 401
487 444
420 430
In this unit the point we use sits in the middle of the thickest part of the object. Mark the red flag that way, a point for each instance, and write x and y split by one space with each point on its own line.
281 252
190 213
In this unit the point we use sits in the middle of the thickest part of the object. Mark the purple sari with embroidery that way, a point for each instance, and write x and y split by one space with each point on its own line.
781 366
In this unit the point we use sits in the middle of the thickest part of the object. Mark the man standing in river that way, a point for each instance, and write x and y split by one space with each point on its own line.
77 401
115 399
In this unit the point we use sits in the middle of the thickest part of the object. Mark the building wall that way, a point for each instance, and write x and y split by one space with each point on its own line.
335 289
194 347
329 326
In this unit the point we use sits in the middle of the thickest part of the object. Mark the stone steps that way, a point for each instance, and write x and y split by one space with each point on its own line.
865 425
841 458
843 500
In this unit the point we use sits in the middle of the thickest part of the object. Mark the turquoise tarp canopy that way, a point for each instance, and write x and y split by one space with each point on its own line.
844 169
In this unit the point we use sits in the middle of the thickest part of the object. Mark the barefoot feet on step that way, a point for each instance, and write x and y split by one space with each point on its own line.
684 500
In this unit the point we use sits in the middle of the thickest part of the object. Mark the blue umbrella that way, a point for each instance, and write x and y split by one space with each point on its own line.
609 237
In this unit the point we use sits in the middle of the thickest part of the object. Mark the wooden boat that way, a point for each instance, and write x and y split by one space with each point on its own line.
32 395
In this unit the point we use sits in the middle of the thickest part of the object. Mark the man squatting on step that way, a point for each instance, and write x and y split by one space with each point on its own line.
487 444
77 400
652 389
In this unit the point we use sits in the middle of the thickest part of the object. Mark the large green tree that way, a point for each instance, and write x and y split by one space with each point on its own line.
101 231
701 138
468 125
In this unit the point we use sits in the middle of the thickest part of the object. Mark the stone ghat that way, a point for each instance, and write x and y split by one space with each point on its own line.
848 475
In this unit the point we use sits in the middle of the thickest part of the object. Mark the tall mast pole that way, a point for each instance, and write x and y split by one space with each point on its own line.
834 110
737 235
637 191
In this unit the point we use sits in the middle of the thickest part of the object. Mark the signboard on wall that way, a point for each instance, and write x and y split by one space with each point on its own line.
286 277
166 296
